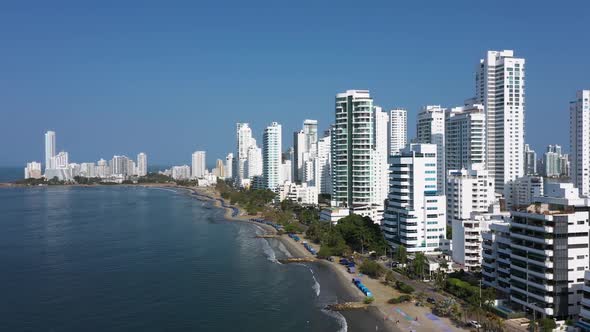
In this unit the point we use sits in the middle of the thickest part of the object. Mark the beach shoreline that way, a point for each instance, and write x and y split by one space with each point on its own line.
370 318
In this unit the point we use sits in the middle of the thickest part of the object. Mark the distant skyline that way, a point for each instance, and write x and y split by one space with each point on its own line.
135 77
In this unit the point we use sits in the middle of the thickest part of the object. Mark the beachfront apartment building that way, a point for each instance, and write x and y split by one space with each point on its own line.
548 252
271 156
181 172
398 130
521 191
465 136
323 168
470 193
415 215
580 141
530 161
199 168
430 129
495 265
229 166
500 88
583 322
49 149
352 146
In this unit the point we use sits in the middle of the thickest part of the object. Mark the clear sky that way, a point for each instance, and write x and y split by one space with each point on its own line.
121 77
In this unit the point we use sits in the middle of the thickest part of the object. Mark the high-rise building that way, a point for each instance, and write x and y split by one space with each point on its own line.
229 163
299 153
580 141
500 83
33 170
415 216
271 156
220 168
470 193
102 169
253 165
310 129
530 161
324 164
286 171
88 170
465 136
352 148
49 149
199 167
119 166
547 256
141 164
60 160
521 191
380 157
398 130
244 142
181 172
430 129
552 161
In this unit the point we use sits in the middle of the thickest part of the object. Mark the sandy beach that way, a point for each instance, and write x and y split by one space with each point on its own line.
379 315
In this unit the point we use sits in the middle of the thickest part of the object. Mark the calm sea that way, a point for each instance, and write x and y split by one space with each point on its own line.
141 259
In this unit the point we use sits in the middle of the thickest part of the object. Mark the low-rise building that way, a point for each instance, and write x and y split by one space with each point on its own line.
300 193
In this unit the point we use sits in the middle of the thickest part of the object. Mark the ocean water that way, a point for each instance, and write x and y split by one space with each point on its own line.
148 259
11 174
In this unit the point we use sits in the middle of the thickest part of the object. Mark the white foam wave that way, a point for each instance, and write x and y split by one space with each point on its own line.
316 284
284 250
339 318
269 252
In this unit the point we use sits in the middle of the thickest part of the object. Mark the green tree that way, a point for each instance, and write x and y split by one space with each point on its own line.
372 269
546 324
418 264
401 254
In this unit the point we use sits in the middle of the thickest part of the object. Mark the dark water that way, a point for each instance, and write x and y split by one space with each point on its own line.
140 259
11 174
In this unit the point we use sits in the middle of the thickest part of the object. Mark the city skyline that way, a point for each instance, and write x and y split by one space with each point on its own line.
147 93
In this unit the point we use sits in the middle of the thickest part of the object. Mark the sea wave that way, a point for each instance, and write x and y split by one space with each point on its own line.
269 252
316 284
338 317
284 250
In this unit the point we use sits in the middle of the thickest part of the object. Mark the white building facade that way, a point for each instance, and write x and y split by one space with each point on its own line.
500 87
415 216
465 136
580 141
430 129
271 156
199 168
398 130
142 166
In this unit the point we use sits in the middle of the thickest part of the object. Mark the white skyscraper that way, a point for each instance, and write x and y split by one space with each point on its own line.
119 165
33 170
430 129
398 130
416 214
286 171
253 166
465 136
60 160
380 157
199 167
271 155
244 141
500 83
530 161
181 172
352 149
142 164
324 164
49 149
88 170
299 154
229 165
580 141
102 169
470 192
310 129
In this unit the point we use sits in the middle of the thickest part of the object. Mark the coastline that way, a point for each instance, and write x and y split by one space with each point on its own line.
369 318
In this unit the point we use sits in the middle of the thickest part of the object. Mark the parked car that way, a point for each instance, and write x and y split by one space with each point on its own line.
431 300
419 304
475 324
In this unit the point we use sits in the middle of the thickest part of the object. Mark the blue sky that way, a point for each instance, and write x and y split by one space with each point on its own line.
122 77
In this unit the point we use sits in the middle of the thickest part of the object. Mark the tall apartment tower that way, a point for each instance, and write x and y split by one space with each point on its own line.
430 129
415 216
530 161
324 164
380 157
398 130
229 165
198 164
465 137
499 84
141 164
49 149
352 147
244 141
271 156
299 151
580 141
